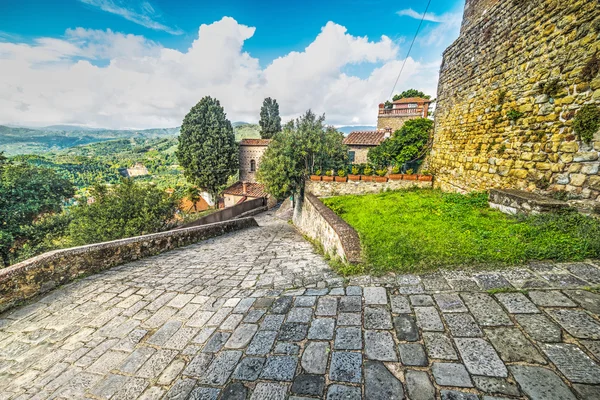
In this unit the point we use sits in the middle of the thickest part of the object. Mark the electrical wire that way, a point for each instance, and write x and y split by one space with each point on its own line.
409 49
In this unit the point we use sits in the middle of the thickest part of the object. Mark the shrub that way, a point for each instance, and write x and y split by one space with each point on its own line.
587 122
328 173
318 172
341 173
368 170
355 170
395 169
591 68
409 171
381 172
513 114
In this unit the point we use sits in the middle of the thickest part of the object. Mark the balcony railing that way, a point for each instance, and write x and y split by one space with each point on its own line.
401 111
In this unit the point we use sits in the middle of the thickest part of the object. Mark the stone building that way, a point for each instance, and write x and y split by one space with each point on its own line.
138 169
360 142
510 87
251 151
401 111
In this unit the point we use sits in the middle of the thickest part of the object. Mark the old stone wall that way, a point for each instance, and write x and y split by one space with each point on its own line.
43 273
328 189
393 121
509 89
320 224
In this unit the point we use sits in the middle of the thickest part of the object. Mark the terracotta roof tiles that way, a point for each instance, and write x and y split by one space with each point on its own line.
255 142
253 189
365 138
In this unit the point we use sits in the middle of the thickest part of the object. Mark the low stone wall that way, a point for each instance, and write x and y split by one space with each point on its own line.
239 210
44 272
319 223
328 189
511 201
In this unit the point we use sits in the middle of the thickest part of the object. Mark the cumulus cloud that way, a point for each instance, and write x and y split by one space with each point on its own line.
109 79
141 13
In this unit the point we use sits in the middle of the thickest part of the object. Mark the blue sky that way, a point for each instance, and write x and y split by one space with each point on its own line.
63 60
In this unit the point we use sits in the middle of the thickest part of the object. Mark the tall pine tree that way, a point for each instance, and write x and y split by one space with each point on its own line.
207 150
270 121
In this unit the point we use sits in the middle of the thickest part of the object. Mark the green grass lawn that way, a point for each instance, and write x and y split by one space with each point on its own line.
422 229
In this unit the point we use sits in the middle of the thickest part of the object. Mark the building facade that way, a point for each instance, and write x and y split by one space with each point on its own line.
401 111
251 151
360 142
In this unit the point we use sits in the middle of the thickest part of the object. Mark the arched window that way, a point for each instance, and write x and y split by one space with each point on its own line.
252 165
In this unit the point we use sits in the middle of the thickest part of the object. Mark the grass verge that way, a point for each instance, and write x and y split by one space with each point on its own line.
423 229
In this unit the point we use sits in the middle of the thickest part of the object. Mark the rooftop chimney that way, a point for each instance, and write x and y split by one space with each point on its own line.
244 188
388 132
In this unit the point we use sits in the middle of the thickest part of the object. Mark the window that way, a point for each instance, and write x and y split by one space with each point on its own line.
412 105
351 156
252 165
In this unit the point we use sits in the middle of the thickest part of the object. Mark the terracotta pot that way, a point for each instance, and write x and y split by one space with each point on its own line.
315 177
426 178
341 179
366 178
353 177
328 179
395 177
381 179
412 177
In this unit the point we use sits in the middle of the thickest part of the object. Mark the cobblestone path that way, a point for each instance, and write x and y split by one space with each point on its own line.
258 315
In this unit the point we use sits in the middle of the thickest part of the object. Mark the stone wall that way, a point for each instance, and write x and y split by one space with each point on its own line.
43 273
393 121
319 223
507 53
328 189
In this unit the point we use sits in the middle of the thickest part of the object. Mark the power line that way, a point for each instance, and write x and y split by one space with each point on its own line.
409 49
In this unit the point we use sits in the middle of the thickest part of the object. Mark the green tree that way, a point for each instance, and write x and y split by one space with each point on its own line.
410 93
26 194
193 195
124 210
207 150
302 146
270 121
406 144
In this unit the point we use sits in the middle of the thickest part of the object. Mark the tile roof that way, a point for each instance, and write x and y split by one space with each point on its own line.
253 189
365 138
255 142
412 100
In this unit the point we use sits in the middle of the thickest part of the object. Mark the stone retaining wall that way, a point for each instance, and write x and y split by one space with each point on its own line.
328 189
319 223
44 272
507 54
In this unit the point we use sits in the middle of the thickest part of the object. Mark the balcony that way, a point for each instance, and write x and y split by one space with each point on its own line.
402 111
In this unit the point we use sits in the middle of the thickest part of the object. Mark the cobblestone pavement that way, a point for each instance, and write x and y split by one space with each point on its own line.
257 314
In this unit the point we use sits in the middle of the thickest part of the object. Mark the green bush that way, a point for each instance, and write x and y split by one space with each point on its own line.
341 173
368 170
587 122
355 170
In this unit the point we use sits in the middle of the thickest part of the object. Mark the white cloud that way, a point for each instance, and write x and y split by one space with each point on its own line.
141 13
409 12
109 79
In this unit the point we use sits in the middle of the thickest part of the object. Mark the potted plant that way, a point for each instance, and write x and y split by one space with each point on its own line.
425 175
366 176
380 177
354 176
341 176
409 175
395 175
316 176
328 176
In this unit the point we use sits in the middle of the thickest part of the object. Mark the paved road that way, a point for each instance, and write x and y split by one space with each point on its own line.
257 314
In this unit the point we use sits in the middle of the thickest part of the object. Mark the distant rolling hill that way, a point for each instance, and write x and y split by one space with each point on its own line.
16 140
